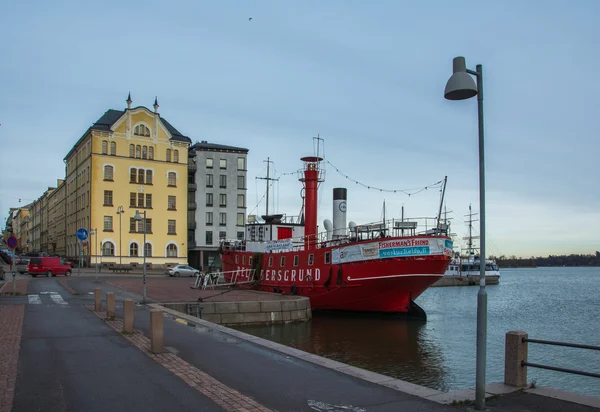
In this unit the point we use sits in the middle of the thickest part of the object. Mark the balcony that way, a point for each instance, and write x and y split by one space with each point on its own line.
192 187
192 224
192 205
192 166
191 244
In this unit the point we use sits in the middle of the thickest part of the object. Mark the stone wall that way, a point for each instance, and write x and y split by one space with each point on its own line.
249 312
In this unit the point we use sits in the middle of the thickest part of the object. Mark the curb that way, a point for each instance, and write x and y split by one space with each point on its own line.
64 284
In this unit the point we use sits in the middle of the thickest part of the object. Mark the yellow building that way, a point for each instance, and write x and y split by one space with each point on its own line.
128 160
19 227
56 219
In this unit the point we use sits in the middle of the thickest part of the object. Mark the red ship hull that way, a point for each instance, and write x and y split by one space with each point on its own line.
366 285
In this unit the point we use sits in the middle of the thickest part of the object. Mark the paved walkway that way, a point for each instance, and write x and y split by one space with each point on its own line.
71 359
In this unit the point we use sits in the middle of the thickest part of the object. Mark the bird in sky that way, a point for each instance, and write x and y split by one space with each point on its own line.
249 18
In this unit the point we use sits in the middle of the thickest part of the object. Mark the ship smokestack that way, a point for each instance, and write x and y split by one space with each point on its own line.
340 196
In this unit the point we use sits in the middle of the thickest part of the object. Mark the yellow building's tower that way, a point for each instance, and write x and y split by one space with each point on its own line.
129 160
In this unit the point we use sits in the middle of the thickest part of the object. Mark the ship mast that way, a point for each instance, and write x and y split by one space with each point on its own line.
470 238
268 179
441 203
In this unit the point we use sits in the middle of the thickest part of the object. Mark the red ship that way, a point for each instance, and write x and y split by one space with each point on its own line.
359 268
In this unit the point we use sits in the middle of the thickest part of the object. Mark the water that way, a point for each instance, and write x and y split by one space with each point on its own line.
559 304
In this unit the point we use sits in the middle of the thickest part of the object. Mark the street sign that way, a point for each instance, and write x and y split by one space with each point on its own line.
11 242
82 234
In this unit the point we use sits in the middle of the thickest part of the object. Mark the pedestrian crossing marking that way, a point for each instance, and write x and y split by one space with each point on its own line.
34 300
58 299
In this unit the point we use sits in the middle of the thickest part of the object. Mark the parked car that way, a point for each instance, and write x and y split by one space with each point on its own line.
48 266
22 265
182 270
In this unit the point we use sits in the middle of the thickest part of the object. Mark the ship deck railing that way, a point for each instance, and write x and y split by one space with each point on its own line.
219 279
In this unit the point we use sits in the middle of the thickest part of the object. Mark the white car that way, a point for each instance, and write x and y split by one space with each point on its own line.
182 270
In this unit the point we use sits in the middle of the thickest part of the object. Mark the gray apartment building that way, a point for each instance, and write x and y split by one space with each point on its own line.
217 199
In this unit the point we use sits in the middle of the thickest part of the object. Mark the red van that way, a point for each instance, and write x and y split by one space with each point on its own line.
48 266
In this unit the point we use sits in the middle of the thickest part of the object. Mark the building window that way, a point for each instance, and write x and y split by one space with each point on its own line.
148 177
209 180
209 218
223 200
209 238
171 203
241 201
222 219
132 200
168 155
171 250
223 181
240 236
149 200
241 163
141 175
148 225
104 147
270 261
141 130
172 179
176 156
222 235
282 261
327 258
296 260
241 182
138 151
237 259
209 163
209 199
148 251
140 202
113 148
144 152
151 153
132 223
223 163
131 150
311 259
108 226
240 219
132 175
108 173
133 249
171 227
108 249
108 198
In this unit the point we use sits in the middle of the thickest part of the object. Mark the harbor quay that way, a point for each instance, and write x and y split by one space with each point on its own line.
203 365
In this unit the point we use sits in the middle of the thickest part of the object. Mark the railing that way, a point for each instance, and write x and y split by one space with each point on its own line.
516 352
217 279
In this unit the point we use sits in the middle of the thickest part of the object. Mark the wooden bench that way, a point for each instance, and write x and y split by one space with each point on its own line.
120 268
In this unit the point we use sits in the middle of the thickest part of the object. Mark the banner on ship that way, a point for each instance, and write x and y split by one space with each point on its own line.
279 245
392 248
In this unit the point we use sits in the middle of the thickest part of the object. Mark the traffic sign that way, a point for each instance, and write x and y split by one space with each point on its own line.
82 234
11 242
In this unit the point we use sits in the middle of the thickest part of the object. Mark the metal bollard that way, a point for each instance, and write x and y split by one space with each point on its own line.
128 316
97 299
110 305
156 331
515 352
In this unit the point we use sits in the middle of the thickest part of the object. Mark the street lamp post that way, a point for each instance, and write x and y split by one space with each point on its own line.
120 212
460 86
138 218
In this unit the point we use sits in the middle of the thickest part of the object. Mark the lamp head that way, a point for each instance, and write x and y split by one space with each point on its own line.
460 85
137 216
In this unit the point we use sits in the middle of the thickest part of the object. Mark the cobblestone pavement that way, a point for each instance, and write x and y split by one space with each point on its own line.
20 286
227 398
11 325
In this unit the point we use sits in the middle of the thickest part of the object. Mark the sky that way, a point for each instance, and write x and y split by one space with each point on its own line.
367 77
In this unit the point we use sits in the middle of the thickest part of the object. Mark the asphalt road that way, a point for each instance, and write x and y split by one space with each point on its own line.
71 361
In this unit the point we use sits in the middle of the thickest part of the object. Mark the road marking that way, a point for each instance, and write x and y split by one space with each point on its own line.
325 407
34 299
48 293
58 299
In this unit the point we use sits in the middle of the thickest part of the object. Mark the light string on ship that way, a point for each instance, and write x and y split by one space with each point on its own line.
409 192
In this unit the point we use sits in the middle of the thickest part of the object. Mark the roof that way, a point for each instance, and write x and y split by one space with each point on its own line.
209 147
111 116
